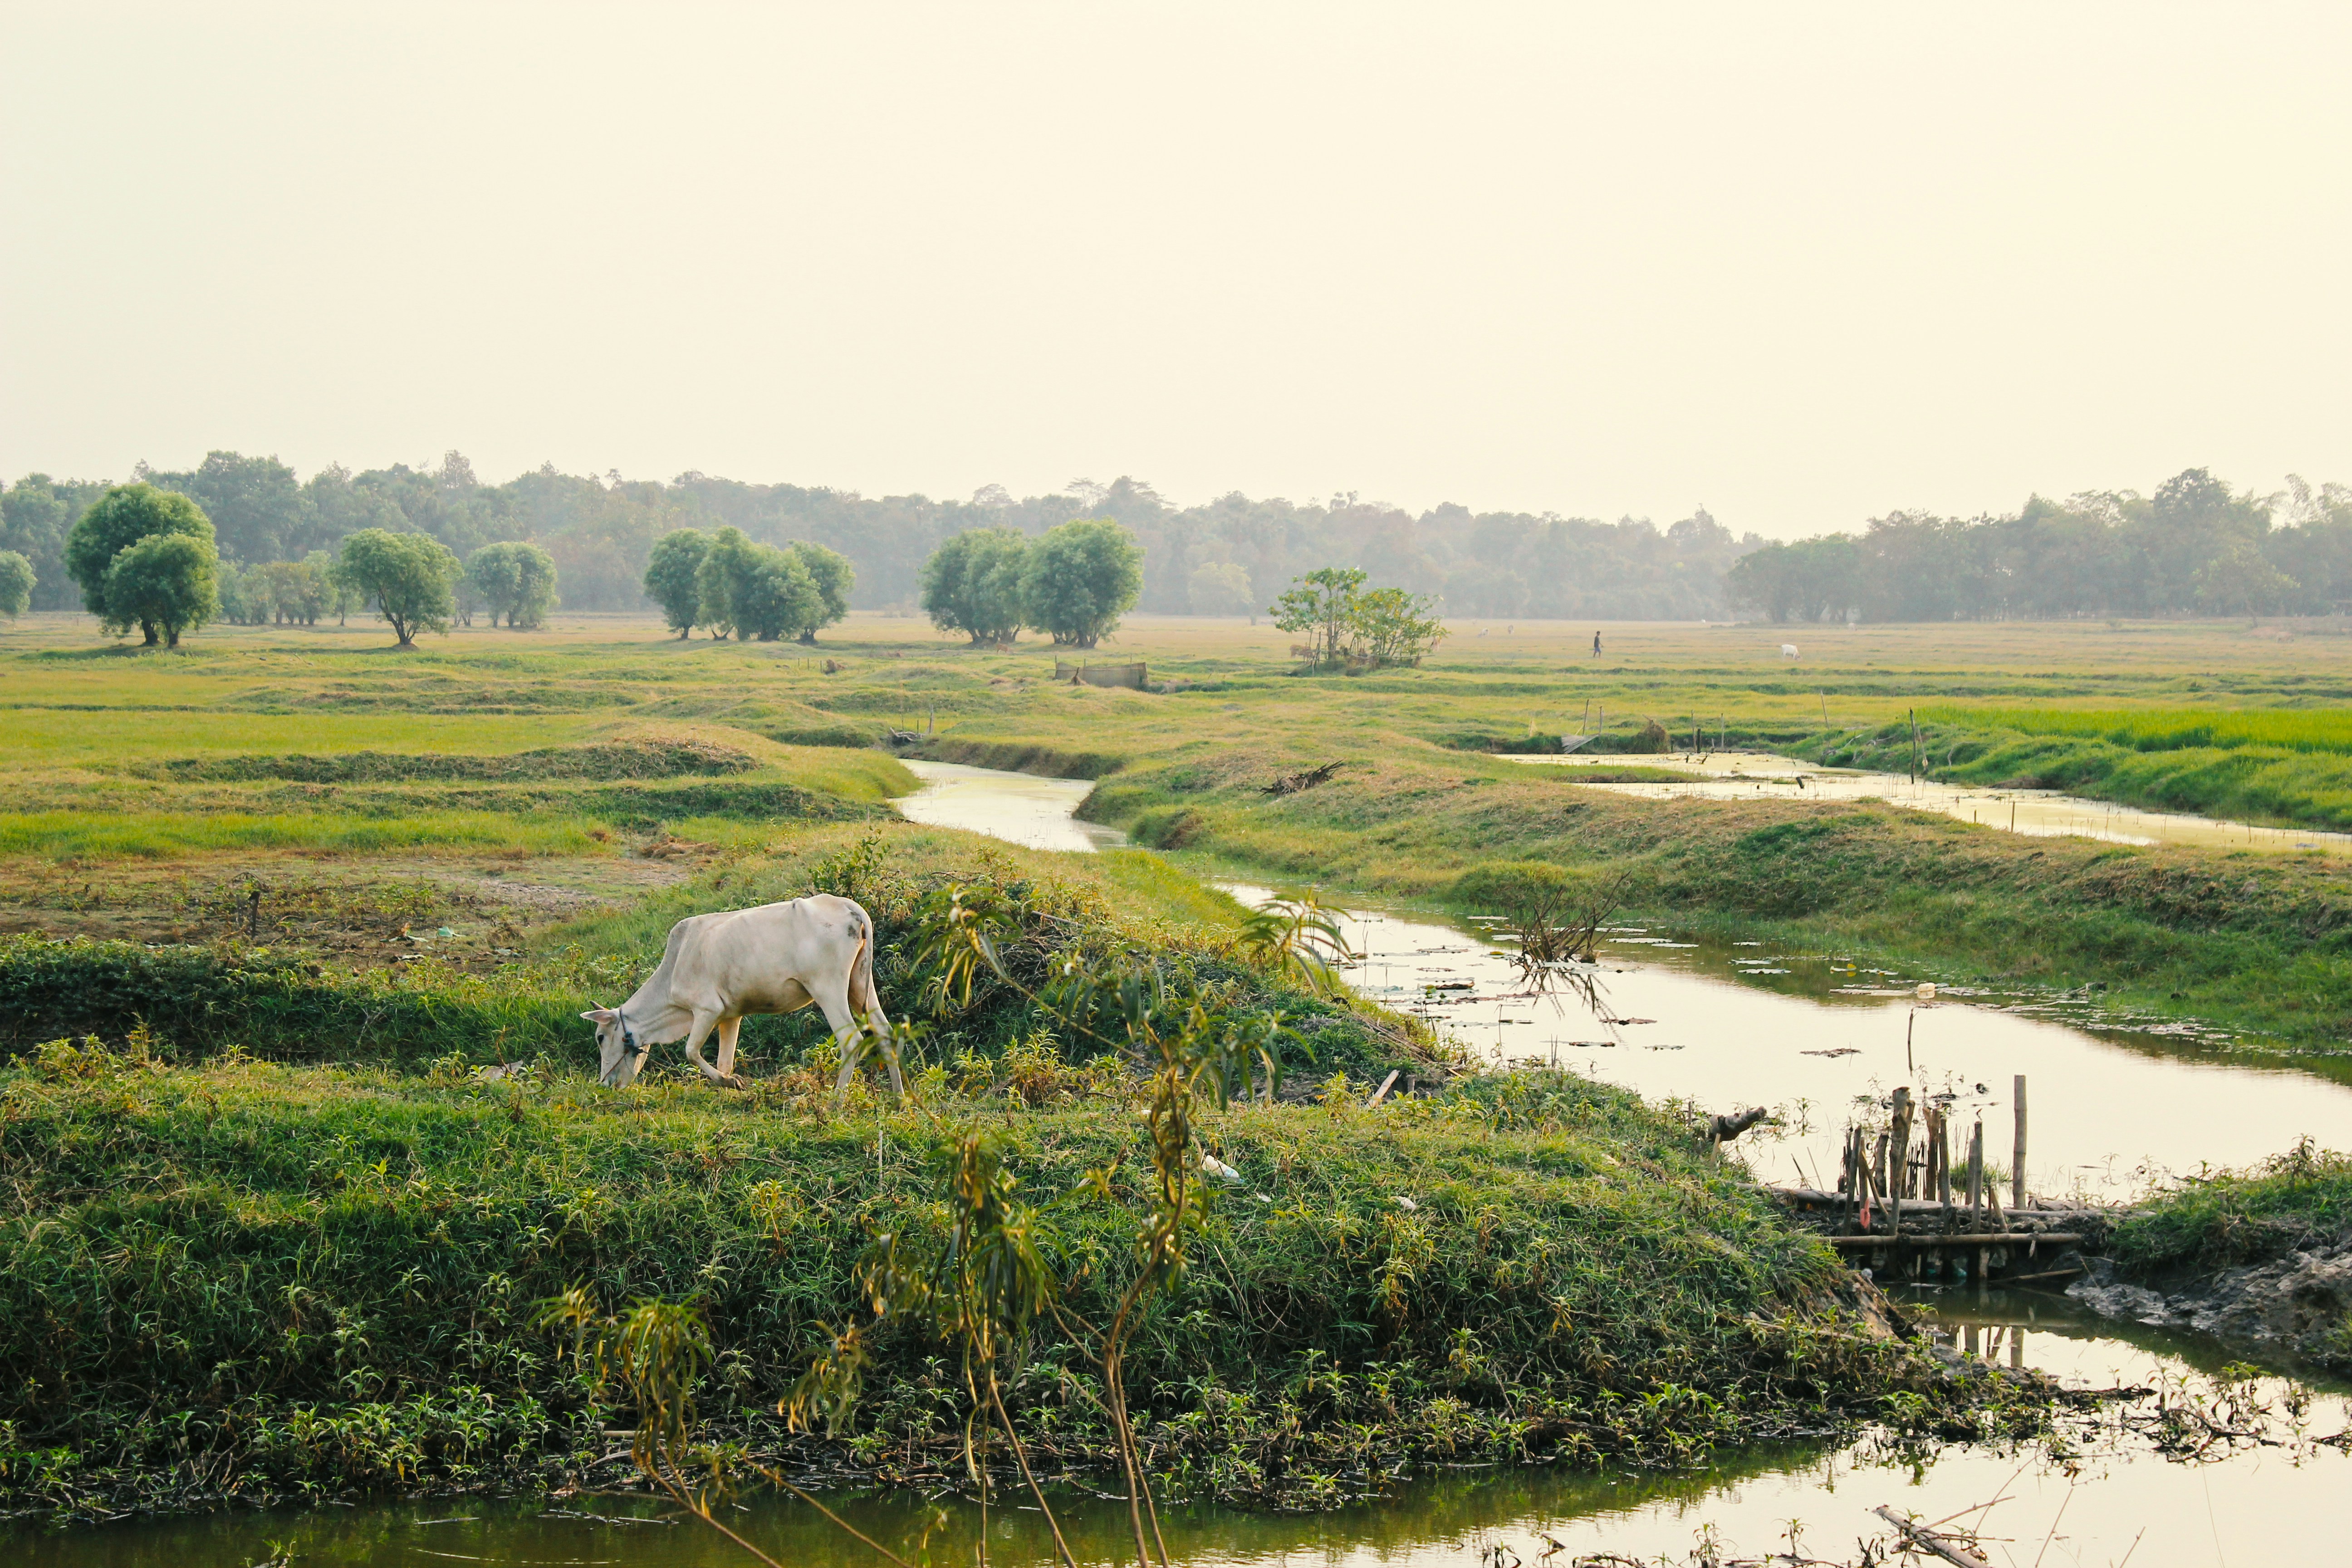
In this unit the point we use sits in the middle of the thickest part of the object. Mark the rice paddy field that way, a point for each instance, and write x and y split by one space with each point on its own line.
295 929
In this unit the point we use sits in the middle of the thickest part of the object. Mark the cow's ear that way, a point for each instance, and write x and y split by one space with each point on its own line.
600 1015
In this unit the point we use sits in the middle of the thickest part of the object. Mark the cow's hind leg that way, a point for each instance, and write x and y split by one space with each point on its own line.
835 1000
703 1024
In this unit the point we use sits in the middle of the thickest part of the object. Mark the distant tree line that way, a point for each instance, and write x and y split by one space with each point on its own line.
1229 557
2194 548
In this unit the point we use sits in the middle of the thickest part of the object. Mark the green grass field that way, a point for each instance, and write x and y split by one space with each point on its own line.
378 873
163 780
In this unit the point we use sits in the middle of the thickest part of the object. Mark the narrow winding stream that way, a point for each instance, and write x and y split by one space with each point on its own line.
1731 1024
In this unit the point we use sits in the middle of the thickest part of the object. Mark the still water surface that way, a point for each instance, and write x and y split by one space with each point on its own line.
2040 813
1732 1024
2115 1103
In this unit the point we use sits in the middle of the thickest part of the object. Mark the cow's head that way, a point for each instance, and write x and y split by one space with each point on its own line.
618 1051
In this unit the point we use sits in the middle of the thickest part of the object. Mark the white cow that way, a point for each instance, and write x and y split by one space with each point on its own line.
1788 650
716 968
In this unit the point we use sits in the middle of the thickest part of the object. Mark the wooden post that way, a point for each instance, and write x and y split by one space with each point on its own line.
1976 1173
1944 1164
2017 1160
1899 1157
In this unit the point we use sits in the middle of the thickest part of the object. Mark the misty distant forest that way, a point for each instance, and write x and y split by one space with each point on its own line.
2195 547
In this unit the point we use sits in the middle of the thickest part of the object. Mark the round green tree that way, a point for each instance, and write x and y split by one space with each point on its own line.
670 578
971 584
120 519
408 577
774 596
515 580
166 583
1079 579
15 584
834 577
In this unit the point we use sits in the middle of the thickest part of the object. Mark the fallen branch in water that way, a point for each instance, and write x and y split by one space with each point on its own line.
1944 1546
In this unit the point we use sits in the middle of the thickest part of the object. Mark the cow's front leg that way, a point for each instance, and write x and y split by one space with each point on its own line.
703 1025
728 1029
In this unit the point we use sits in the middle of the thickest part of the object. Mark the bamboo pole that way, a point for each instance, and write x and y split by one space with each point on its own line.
1976 1175
1944 1164
2017 1160
1898 1161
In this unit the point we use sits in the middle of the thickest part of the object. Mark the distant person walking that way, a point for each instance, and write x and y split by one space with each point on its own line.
1596 644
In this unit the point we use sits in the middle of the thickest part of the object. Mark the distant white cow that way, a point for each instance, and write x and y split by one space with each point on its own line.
718 968
1788 650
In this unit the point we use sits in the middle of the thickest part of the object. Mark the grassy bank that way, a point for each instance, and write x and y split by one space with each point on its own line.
2268 767
2299 1198
2264 1252
2260 941
253 1282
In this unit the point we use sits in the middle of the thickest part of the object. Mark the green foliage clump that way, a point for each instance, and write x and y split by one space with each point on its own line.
673 577
164 583
1375 628
16 580
131 572
971 584
757 591
515 580
409 577
1078 579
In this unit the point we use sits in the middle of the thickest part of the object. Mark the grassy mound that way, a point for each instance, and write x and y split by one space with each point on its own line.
611 760
191 1003
252 1281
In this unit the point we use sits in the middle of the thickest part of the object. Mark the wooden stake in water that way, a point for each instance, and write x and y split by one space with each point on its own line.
2017 1160
1944 1160
1976 1175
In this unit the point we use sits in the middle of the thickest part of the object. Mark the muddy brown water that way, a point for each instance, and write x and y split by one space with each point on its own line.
1743 1019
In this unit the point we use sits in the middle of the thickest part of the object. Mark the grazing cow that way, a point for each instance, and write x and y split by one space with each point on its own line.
716 968
1788 650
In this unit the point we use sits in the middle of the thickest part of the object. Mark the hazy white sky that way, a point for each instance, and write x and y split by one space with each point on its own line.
1802 264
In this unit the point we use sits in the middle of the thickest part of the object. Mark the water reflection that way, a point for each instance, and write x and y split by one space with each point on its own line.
2114 1107
1021 808
2039 813
2117 1103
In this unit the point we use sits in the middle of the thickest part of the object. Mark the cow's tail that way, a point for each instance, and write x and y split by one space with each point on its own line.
865 998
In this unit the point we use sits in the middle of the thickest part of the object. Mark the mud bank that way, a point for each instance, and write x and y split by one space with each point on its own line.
2300 1302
